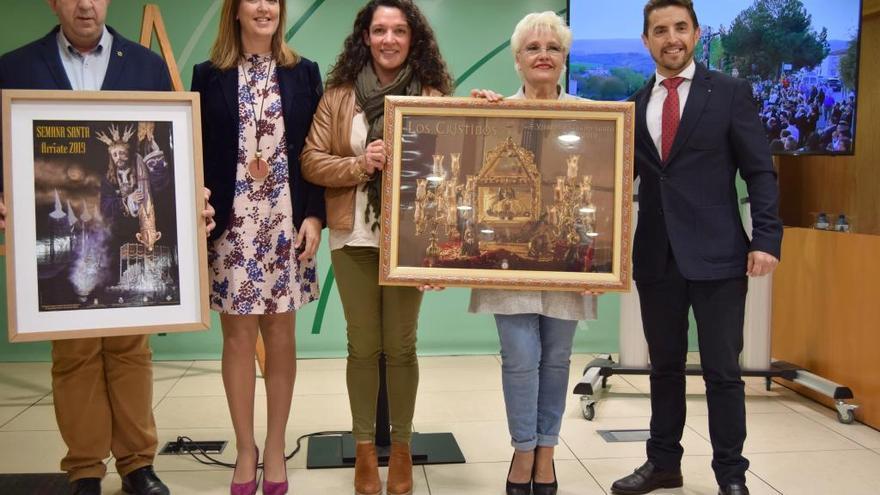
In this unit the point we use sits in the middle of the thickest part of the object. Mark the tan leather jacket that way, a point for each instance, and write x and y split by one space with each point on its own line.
327 158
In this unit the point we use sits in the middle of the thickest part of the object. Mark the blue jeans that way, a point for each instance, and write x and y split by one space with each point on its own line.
535 358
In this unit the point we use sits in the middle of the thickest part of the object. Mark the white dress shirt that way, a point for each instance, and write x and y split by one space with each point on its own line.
86 71
654 113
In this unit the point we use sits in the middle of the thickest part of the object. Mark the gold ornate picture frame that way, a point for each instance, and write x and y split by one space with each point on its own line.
104 194
522 194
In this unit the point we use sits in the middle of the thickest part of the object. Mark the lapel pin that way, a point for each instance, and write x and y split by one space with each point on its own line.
118 53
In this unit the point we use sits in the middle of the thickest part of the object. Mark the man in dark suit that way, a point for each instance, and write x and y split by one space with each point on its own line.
695 129
102 387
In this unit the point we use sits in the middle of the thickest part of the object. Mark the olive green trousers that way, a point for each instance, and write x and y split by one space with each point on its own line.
380 319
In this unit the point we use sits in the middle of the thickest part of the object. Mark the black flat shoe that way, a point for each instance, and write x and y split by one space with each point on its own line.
545 488
86 486
517 488
733 489
646 479
144 481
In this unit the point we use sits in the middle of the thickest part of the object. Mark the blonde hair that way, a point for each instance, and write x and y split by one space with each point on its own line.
538 22
227 51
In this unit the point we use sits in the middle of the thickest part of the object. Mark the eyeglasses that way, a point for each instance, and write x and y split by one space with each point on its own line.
535 50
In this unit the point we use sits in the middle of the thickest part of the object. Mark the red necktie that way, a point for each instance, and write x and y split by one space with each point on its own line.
670 115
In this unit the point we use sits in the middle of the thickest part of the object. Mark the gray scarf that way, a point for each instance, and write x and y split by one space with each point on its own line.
371 99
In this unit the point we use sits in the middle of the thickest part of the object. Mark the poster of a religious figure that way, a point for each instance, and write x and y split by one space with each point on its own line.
105 229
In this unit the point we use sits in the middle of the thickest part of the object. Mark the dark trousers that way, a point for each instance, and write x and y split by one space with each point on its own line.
719 307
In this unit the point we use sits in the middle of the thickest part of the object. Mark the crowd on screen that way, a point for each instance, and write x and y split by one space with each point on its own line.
804 116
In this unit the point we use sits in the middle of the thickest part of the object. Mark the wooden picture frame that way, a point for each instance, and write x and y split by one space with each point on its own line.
522 194
104 233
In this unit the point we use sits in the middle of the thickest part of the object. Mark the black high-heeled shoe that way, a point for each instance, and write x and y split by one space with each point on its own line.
545 488
517 488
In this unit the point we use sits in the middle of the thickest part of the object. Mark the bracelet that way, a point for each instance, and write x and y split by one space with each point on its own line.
363 175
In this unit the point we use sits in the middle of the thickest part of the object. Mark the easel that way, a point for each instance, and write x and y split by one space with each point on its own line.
153 23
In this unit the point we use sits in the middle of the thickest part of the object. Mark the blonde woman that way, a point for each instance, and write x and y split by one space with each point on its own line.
257 100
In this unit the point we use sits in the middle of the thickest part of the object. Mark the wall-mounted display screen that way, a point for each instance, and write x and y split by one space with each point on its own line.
800 56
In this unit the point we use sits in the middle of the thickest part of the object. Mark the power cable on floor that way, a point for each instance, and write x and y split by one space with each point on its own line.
185 443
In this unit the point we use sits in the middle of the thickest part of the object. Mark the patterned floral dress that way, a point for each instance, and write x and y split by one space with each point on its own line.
253 263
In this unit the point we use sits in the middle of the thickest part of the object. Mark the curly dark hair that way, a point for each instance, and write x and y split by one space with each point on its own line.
424 54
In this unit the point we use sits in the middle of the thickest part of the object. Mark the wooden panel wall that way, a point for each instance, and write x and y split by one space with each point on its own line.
849 184
825 312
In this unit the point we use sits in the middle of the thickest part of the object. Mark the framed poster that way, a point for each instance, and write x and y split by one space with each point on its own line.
104 232
522 194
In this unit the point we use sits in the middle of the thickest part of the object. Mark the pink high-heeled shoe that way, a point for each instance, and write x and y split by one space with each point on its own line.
272 487
248 488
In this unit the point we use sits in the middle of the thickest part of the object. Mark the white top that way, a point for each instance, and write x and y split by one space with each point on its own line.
361 233
654 113
555 304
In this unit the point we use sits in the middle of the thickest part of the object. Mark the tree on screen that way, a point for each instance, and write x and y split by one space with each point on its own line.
771 33
849 62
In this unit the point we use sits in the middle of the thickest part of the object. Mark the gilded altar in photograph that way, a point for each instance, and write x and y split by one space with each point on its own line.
522 194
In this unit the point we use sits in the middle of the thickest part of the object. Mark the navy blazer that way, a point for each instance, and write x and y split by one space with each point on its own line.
38 66
690 203
301 90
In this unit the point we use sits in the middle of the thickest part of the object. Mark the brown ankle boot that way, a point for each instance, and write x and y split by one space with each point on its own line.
400 481
366 470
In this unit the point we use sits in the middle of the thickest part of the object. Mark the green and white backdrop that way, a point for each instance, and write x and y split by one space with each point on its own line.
474 38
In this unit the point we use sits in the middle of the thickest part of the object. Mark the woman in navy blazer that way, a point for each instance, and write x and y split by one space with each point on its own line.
257 100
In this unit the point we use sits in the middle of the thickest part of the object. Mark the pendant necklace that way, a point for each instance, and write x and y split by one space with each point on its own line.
258 168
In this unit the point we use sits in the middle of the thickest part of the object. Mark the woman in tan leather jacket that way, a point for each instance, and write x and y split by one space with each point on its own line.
391 51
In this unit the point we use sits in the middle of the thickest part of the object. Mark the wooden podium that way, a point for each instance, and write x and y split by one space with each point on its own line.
826 314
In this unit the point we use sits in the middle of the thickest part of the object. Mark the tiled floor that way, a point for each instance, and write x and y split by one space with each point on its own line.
796 446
